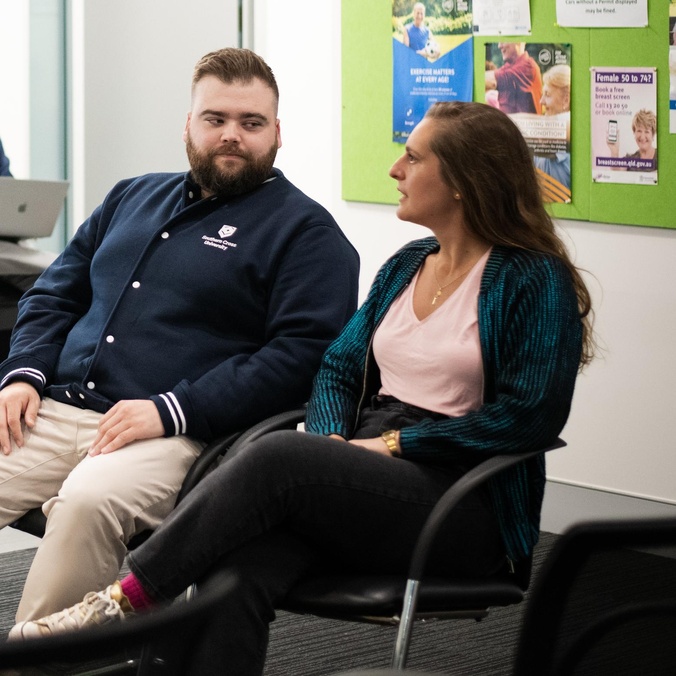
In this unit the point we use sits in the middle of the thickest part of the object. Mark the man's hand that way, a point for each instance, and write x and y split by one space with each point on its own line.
129 420
17 401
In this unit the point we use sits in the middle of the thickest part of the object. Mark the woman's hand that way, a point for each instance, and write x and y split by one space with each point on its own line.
377 445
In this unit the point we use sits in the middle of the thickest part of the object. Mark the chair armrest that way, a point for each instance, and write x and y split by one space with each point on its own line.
232 443
204 461
282 421
468 482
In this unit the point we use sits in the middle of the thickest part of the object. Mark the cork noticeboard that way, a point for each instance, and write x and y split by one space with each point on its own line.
368 150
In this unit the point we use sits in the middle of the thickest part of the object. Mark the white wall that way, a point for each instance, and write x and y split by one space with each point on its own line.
31 88
622 430
132 66
14 86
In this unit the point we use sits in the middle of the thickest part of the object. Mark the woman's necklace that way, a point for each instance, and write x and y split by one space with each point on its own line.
441 287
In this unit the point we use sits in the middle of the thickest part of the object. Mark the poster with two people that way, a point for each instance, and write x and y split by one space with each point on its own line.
531 83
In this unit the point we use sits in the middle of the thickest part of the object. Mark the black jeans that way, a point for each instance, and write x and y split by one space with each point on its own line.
293 501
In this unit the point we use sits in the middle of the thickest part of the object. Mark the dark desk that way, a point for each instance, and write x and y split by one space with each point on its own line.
20 266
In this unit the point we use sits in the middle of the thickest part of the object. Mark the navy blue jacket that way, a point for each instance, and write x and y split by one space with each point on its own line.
218 310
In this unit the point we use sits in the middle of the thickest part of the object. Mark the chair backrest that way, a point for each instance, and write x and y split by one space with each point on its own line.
182 620
604 602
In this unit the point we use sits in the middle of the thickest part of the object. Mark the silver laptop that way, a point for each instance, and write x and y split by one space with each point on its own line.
29 208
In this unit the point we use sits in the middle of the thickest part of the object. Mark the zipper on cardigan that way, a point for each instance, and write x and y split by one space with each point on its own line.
369 348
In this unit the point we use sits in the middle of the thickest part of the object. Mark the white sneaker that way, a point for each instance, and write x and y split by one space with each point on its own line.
96 608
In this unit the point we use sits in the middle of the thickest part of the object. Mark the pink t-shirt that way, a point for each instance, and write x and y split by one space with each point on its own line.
434 363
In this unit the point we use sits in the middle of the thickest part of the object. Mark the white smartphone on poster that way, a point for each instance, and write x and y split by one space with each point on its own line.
612 131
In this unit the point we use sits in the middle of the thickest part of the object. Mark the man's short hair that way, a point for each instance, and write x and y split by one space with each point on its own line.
233 64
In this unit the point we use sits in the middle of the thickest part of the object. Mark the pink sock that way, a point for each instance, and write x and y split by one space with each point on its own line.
137 595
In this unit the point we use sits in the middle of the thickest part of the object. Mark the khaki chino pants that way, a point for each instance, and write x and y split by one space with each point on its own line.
94 505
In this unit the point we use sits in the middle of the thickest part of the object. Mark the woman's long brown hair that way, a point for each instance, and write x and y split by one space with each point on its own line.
485 158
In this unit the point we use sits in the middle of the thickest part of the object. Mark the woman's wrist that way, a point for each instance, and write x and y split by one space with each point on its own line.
391 439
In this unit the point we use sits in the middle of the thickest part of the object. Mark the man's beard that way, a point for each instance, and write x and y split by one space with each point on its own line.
224 182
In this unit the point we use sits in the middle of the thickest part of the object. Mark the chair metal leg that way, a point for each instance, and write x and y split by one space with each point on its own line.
405 625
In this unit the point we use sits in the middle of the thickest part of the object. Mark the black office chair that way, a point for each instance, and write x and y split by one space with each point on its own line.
62 653
604 603
391 599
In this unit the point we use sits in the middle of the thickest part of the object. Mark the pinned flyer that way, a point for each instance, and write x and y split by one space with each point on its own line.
624 125
672 90
602 13
432 56
501 17
672 67
531 83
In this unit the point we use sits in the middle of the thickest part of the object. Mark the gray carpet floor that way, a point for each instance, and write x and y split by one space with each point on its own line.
310 646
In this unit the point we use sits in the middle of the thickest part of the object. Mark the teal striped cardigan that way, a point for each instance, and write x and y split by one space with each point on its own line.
531 339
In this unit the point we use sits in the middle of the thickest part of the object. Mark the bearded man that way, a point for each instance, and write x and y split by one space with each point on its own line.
185 307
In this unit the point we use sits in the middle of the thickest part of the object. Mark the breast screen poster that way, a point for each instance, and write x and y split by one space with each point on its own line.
624 125
432 59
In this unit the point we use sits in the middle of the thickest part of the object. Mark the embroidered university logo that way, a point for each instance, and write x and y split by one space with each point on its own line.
227 231
223 244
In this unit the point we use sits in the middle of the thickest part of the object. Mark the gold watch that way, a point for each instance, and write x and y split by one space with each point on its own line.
390 438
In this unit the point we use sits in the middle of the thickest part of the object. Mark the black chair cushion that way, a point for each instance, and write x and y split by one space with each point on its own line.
32 522
339 596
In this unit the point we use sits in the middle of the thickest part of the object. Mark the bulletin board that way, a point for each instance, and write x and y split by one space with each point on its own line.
368 151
